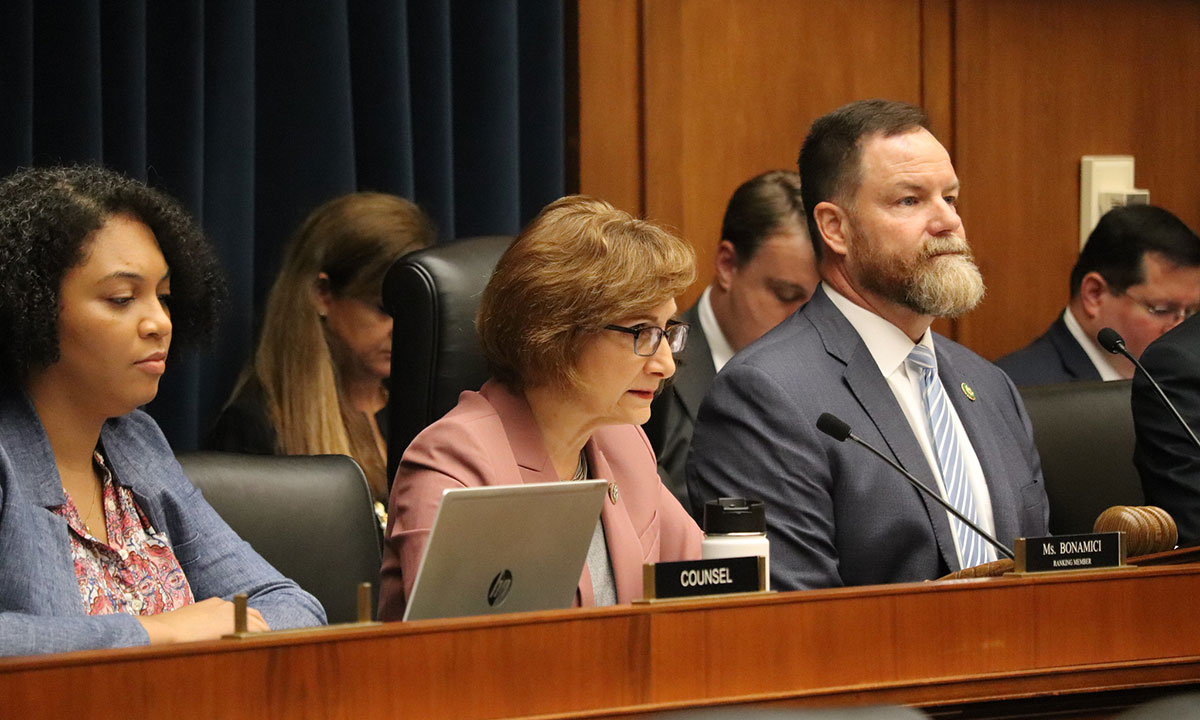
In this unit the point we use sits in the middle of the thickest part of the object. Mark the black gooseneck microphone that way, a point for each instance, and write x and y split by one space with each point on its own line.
835 428
1112 341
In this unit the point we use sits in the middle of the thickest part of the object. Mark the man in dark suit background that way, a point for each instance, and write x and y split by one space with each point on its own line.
765 270
881 197
1166 458
1138 273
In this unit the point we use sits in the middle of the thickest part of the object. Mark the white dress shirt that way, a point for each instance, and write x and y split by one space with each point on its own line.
1101 358
721 350
889 346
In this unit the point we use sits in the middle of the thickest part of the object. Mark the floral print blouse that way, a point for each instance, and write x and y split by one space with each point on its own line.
136 571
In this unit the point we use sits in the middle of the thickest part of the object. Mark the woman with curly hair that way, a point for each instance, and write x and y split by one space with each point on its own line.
316 385
104 542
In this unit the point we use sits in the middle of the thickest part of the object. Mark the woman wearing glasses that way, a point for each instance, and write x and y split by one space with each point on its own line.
576 326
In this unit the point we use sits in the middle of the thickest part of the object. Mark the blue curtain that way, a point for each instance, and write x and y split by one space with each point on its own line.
252 113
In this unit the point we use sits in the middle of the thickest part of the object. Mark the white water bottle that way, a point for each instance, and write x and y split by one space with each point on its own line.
736 527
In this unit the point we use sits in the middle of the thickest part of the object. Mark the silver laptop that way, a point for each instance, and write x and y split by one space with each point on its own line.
506 549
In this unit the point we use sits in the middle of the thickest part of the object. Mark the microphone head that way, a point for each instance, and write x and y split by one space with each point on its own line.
1110 340
832 426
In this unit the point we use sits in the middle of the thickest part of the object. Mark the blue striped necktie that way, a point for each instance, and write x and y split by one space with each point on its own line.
974 549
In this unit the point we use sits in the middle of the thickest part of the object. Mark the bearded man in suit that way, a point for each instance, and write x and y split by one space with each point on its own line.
881 199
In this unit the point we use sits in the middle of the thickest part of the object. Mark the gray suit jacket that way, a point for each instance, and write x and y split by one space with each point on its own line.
673 413
836 515
1055 357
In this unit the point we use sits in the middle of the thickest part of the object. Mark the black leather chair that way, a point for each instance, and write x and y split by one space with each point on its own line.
433 294
311 516
1084 434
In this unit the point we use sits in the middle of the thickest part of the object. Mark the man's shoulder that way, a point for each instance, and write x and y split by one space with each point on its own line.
959 363
787 372
1042 347
1038 350
795 339
1181 341
1054 357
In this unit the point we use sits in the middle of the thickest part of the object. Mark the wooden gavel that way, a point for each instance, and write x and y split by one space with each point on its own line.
1147 529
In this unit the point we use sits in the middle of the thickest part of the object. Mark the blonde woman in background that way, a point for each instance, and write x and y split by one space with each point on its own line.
317 383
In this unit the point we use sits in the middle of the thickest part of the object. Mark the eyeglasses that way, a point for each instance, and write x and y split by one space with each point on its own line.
1164 312
647 338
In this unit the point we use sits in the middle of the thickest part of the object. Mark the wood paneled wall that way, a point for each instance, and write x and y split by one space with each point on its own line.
682 100
1037 85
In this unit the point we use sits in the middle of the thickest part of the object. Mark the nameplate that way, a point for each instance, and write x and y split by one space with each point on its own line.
1060 553
693 578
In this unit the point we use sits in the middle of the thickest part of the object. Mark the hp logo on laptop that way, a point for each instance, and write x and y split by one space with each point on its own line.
498 592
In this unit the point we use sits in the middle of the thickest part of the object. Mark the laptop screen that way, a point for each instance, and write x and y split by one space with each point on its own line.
507 548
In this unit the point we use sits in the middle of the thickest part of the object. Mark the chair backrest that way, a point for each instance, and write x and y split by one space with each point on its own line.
311 516
432 295
1084 434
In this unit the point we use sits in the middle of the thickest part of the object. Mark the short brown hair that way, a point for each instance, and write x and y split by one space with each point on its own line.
760 207
830 158
579 265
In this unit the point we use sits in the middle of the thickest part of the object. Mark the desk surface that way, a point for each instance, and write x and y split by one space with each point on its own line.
927 644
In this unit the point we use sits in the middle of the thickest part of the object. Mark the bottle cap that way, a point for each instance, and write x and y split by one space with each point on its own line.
734 515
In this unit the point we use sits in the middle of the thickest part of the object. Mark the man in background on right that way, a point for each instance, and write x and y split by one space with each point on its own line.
1166 458
1139 274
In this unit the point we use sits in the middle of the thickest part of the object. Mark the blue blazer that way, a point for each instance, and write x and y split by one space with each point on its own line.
40 607
1055 357
835 514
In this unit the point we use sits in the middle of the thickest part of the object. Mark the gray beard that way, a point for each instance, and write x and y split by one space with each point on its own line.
945 286
952 286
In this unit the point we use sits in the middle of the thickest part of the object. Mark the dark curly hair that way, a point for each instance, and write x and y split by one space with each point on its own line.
47 216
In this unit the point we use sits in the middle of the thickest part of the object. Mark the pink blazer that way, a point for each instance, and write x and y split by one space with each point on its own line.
491 438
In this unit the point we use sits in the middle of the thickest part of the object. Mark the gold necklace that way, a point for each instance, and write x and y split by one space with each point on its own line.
97 464
84 517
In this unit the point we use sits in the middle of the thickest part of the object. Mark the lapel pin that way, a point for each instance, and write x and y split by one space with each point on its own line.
613 493
968 392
